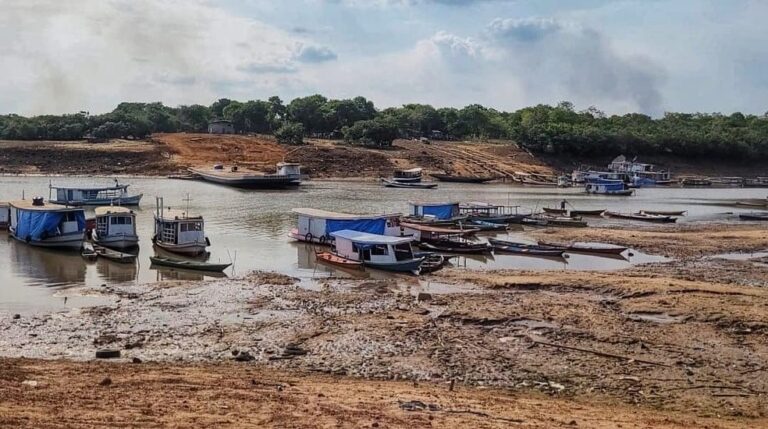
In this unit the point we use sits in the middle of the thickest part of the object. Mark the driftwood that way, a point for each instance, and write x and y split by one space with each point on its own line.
598 353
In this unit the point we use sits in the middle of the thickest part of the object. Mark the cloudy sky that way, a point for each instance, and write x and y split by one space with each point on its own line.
649 56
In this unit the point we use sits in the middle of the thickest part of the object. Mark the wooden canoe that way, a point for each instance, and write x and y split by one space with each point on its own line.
333 259
598 248
665 212
120 257
188 265
641 217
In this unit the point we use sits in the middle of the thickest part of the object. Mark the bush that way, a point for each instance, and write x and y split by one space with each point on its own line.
290 133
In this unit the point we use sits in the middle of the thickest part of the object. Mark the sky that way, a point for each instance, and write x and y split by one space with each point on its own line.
621 56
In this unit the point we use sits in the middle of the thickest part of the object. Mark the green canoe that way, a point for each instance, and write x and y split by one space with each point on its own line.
188 265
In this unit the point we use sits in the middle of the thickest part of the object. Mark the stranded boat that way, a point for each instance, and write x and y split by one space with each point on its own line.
287 175
119 257
760 216
47 225
377 251
642 217
316 226
116 195
179 232
522 248
115 228
594 248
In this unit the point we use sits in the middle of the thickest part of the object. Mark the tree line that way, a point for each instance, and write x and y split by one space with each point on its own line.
557 130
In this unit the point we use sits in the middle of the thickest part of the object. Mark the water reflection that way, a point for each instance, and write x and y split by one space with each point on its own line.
46 267
114 272
167 273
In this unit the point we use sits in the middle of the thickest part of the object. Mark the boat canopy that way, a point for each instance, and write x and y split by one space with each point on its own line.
367 239
327 222
98 189
37 224
103 211
443 210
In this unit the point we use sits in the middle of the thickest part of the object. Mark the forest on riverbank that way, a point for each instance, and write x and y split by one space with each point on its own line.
559 130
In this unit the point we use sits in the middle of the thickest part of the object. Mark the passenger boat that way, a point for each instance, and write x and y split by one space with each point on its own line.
607 187
377 251
116 195
188 265
316 226
411 175
598 248
288 175
330 258
642 217
179 232
422 232
529 249
759 216
408 185
46 224
665 212
120 257
435 213
491 213
462 179
115 228
5 215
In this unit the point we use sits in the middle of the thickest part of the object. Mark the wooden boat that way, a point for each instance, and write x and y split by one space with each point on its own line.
188 265
333 259
690 182
598 212
455 246
88 252
664 212
410 175
432 262
115 228
758 216
287 175
597 248
116 195
120 257
529 249
561 212
408 185
642 217
42 224
487 226
571 222
462 179
491 213
179 232
421 232
377 251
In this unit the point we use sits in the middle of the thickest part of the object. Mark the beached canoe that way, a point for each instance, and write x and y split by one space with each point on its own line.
114 256
665 212
333 259
523 248
188 265
598 248
642 217
453 246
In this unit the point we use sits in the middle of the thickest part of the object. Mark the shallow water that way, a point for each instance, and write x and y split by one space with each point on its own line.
249 228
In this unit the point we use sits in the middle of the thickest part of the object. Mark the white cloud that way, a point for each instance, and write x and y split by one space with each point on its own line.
67 55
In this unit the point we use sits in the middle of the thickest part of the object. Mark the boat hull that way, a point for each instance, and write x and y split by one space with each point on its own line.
122 241
408 185
267 181
192 249
132 200
409 266
188 265
72 241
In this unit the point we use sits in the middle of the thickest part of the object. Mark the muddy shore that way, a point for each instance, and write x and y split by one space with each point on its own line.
684 343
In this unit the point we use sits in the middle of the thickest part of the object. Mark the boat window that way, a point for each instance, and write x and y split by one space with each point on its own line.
118 220
70 217
403 252
184 227
379 249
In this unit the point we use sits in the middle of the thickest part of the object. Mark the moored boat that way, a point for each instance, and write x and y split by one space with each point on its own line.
597 248
434 213
288 175
608 187
120 257
491 213
665 212
88 252
407 185
561 212
188 265
333 259
598 212
179 232
377 251
316 226
462 179
432 262
116 195
424 232
523 248
641 217
115 228
756 216
410 175
486 226
46 224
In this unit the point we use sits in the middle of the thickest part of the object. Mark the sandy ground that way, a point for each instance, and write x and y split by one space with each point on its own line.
52 394
679 344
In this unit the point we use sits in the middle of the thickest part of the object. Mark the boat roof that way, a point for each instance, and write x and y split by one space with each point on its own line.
80 188
324 214
3 204
409 170
367 238
174 214
432 204
480 204
437 230
101 211
47 206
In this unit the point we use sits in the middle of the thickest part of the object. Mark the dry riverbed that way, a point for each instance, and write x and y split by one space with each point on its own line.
681 344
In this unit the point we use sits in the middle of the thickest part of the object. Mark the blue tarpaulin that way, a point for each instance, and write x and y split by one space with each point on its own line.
440 212
372 226
37 225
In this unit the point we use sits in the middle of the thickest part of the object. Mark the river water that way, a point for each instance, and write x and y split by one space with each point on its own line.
249 228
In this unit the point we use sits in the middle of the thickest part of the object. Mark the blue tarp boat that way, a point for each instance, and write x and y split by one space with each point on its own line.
316 226
47 225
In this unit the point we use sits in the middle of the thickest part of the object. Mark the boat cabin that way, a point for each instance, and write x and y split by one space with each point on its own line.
372 248
606 187
45 224
115 227
177 227
409 175
315 225
5 215
440 211
109 195
288 169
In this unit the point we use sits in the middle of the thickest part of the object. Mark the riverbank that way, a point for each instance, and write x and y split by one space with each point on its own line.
165 154
633 346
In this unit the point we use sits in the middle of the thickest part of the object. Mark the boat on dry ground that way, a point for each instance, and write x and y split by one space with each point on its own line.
759 216
523 248
597 248
641 217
